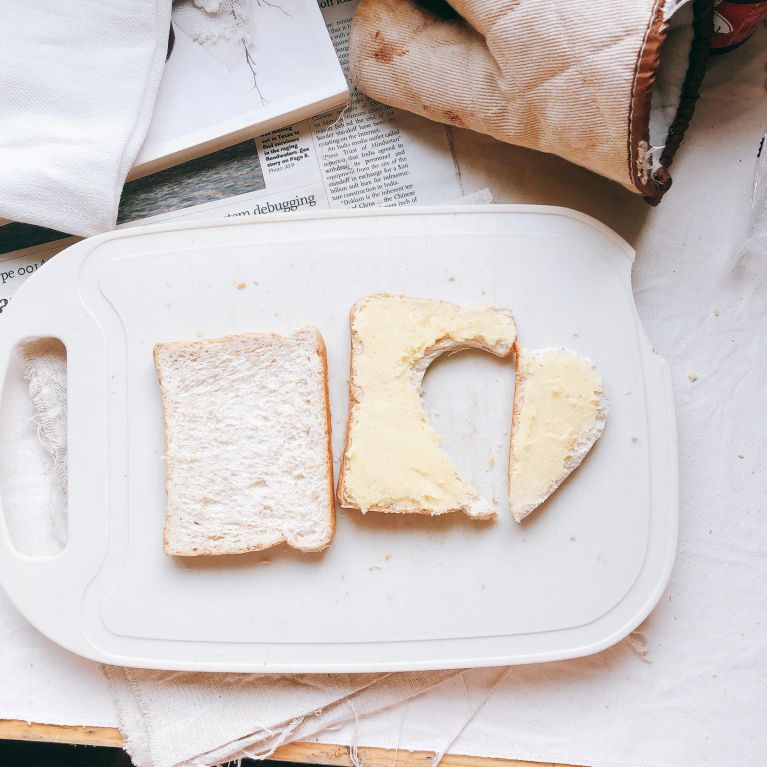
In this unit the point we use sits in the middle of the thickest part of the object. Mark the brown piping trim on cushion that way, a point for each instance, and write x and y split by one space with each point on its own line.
647 64
654 186
703 29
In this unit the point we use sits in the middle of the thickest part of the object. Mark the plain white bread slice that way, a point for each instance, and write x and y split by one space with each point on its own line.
559 413
247 443
393 461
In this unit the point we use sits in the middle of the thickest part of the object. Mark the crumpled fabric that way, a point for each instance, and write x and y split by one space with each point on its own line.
569 77
78 81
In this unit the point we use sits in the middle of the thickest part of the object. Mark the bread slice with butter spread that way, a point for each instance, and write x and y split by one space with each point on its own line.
393 461
247 443
559 413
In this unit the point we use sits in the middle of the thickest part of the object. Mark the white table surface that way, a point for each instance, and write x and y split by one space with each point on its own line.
703 311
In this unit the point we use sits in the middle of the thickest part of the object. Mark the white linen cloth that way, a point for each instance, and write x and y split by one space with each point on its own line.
78 82
689 691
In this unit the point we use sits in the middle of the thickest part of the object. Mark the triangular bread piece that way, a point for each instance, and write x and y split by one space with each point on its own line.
559 413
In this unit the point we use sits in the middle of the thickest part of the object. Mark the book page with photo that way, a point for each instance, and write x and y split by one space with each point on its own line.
234 69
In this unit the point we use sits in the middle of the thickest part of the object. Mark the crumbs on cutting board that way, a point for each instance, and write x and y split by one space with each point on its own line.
241 285
635 438
692 377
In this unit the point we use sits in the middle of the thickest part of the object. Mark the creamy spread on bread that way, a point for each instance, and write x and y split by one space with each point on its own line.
558 415
394 460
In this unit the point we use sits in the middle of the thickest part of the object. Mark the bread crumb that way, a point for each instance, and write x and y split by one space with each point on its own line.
490 463
451 279
740 455
496 499
638 642
635 439
255 282
576 335
692 377
484 293
387 557
241 286
200 333
375 567
572 536
627 392
482 585
167 284
716 312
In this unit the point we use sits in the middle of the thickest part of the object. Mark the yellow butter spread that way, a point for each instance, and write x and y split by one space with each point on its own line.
558 416
394 460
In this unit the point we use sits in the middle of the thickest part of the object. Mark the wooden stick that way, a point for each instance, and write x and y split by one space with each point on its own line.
306 753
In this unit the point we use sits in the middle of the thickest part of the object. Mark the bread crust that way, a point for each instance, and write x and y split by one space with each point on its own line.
516 409
322 351
341 488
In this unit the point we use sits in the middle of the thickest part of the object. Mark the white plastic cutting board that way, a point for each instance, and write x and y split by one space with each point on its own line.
392 592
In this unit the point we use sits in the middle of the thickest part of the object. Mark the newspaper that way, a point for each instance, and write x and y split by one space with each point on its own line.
365 155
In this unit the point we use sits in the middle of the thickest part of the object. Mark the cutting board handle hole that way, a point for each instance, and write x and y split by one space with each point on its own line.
34 403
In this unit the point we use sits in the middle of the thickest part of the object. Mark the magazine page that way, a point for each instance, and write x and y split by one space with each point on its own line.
362 156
